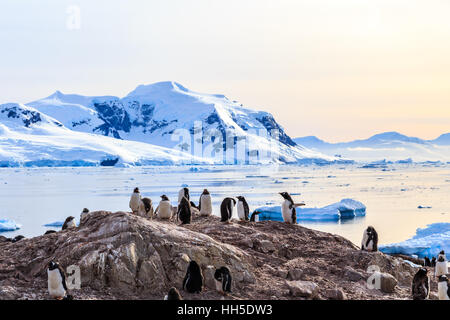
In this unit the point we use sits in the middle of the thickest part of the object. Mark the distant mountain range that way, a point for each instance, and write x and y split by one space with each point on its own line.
144 128
391 146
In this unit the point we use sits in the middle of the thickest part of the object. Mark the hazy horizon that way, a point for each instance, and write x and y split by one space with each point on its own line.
336 70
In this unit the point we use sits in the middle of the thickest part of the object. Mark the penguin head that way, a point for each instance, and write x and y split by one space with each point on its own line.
240 198
136 190
218 274
193 266
164 198
70 218
205 191
53 265
441 258
442 252
85 210
422 271
443 278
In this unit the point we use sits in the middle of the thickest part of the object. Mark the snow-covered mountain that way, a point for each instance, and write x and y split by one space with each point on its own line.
31 138
169 115
391 146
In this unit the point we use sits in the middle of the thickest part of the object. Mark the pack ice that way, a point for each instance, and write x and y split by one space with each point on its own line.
344 209
427 242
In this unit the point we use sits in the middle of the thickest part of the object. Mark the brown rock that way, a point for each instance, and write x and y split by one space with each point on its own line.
306 289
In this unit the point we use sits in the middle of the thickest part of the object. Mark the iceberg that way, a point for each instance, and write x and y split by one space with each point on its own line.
427 242
8 225
346 208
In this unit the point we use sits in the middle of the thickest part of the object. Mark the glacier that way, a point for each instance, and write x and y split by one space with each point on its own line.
169 115
8 225
346 208
427 242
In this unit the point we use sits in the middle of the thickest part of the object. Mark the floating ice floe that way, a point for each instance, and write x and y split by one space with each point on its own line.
346 208
8 225
54 224
427 242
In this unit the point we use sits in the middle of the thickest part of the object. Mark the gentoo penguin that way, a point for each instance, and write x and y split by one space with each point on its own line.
443 288
421 285
184 192
184 211
370 239
193 281
288 208
441 265
254 215
69 223
135 201
426 262
222 276
226 209
242 208
147 207
56 281
433 262
173 294
164 209
205 204
84 213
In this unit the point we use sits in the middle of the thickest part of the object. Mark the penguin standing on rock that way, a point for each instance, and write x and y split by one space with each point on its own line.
254 216
433 262
421 285
135 201
184 211
443 288
222 276
370 240
69 223
193 281
288 208
147 207
242 208
164 209
441 265
56 281
205 204
226 209
427 262
173 294
84 213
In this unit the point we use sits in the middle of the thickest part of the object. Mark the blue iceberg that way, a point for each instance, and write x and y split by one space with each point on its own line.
346 208
8 225
427 242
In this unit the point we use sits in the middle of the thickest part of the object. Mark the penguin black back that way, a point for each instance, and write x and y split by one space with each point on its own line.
226 209
66 223
184 211
193 281
223 275
147 204
421 285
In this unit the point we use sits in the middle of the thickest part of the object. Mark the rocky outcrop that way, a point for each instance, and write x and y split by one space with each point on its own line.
123 256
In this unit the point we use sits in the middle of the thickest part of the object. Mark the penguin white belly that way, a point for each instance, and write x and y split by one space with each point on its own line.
442 291
218 285
55 285
180 195
206 206
135 202
165 210
286 211
241 210
71 224
364 241
441 268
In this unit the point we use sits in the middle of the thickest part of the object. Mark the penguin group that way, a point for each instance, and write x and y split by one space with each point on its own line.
421 282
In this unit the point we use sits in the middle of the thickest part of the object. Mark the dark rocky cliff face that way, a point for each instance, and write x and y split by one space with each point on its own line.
122 256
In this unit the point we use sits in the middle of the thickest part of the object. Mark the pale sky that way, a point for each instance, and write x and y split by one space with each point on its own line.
339 70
